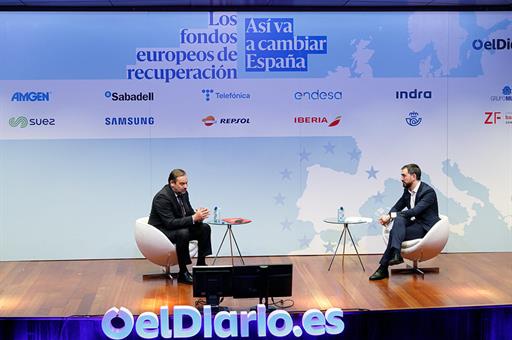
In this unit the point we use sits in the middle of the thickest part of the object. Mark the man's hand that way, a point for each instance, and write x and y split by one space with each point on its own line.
385 219
200 215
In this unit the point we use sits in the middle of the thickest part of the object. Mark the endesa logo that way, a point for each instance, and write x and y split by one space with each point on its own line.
493 44
210 120
130 97
506 95
413 94
23 122
317 120
318 95
210 94
30 97
129 121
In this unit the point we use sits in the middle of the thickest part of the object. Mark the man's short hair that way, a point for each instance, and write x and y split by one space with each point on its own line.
413 169
175 174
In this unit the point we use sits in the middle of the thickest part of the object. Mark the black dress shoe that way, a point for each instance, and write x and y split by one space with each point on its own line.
396 259
380 273
185 278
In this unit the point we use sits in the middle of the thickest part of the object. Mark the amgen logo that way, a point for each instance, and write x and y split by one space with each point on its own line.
30 97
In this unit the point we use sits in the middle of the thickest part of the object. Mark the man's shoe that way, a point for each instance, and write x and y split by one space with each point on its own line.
380 273
185 278
396 259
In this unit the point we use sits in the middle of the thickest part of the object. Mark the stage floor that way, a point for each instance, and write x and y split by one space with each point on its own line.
91 287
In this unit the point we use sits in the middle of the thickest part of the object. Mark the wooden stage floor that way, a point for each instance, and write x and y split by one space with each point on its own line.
91 287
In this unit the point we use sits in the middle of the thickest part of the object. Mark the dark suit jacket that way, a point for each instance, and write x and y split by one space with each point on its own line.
425 211
166 212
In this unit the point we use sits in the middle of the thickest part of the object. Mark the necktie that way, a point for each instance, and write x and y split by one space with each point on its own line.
180 201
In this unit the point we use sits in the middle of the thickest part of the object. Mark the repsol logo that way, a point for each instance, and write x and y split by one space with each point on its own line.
30 97
23 122
130 97
493 44
109 121
414 94
211 120
318 95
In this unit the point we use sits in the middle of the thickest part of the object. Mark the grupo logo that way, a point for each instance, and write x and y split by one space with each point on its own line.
493 44
413 94
322 120
414 119
23 122
130 97
210 94
210 120
129 120
318 95
506 95
30 97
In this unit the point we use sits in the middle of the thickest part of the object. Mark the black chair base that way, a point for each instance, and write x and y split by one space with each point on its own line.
165 274
415 270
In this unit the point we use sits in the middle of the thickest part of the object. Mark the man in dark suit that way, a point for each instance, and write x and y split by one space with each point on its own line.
172 213
422 213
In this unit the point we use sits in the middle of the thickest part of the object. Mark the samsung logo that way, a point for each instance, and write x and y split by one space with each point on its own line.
30 97
129 121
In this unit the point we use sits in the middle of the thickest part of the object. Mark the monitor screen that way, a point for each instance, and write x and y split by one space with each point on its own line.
212 281
256 281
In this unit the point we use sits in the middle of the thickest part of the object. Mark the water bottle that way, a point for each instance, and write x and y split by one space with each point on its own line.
341 214
216 214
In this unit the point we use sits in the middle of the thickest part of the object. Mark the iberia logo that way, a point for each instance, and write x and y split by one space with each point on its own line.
335 122
209 120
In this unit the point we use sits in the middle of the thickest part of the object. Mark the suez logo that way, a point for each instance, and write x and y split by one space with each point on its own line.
317 120
413 94
210 120
188 322
493 44
30 97
209 94
493 118
318 95
130 97
23 122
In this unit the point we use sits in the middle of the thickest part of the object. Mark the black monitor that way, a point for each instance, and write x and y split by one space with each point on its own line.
262 281
212 282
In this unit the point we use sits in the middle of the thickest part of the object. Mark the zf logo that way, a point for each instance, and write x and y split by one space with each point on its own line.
492 118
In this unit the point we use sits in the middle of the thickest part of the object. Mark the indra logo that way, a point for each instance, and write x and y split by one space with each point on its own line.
23 122
493 44
318 95
413 94
413 119
505 97
210 120
30 97
130 97
210 94
130 121
317 120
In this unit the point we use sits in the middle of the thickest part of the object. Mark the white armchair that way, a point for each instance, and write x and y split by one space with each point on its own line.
157 248
423 249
